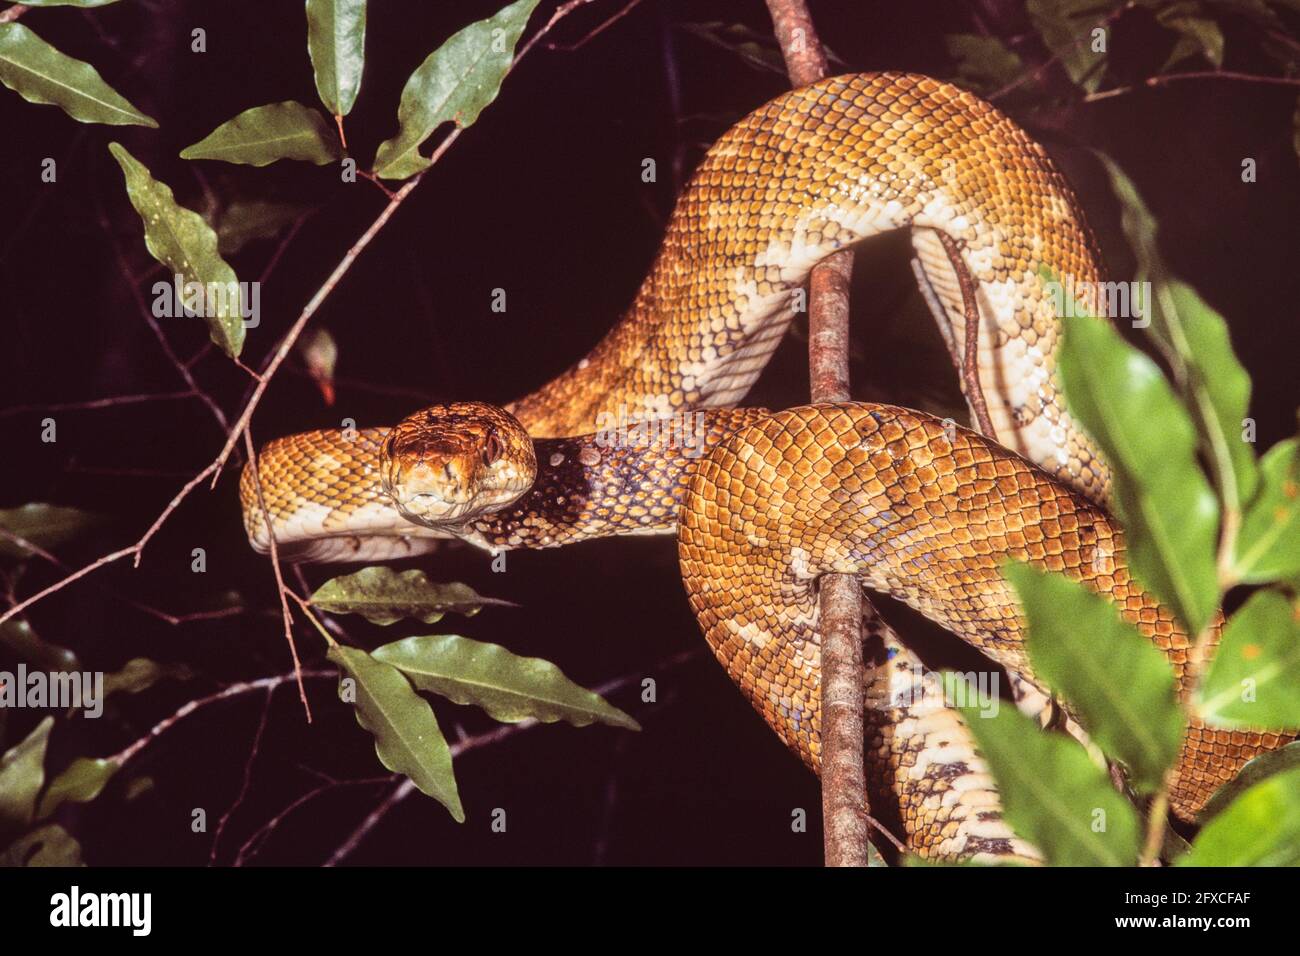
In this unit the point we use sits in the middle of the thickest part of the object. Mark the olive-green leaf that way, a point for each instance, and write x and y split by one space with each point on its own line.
454 84
1267 764
1160 493
1195 35
1078 644
1195 341
265 134
45 526
1254 679
1066 28
22 641
1052 793
384 596
246 221
1259 828
407 737
50 845
82 781
180 239
140 674
22 773
336 41
984 63
39 73
1268 543
509 687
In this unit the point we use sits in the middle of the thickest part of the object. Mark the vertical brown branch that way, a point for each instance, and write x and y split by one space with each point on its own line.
844 792
969 364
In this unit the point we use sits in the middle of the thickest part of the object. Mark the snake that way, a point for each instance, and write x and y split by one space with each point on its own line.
642 436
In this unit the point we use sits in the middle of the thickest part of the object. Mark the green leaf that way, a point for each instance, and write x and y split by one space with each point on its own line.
45 846
22 641
45 526
22 772
1052 793
1196 35
983 63
407 737
1259 828
1160 493
1078 643
1254 679
1194 340
454 84
180 239
140 673
384 596
266 134
39 73
336 40
1268 544
756 50
247 221
1267 764
82 781
509 687
1066 28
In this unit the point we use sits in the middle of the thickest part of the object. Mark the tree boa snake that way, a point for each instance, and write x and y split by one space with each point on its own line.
763 503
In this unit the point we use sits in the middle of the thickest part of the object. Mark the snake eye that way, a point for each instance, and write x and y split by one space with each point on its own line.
493 449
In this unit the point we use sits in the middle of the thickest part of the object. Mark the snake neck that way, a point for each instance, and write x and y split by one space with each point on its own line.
628 478
820 169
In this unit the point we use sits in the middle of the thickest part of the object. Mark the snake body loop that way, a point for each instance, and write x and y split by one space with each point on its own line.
764 503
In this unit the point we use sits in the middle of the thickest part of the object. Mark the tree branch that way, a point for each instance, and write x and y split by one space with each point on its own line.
843 692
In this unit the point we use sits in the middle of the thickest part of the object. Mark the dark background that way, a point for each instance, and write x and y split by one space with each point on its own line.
543 197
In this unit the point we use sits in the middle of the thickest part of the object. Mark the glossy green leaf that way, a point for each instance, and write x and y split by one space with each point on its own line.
454 84
22 774
49 845
1267 764
407 737
1268 543
39 73
81 782
1259 828
180 239
384 596
1195 341
509 687
1052 793
1078 644
45 526
1254 678
1161 496
1066 28
336 40
18 637
266 134
984 63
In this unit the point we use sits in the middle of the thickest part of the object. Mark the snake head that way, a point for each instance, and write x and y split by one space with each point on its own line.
447 465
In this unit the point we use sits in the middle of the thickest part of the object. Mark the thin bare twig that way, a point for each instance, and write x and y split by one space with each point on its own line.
13 13
969 365
843 691
248 776
1154 82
